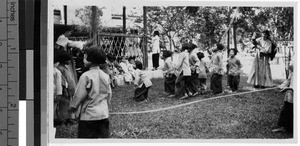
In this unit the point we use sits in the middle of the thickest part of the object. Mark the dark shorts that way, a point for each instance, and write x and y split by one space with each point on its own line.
93 129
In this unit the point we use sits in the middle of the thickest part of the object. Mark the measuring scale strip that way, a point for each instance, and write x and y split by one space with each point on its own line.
9 72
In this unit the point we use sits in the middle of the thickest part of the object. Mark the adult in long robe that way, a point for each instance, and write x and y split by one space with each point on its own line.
260 75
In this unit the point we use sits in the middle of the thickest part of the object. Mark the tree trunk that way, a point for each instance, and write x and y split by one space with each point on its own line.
145 49
234 36
228 33
124 20
94 21
65 14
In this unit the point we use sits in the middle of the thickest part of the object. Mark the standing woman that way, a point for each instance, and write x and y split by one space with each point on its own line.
155 50
260 75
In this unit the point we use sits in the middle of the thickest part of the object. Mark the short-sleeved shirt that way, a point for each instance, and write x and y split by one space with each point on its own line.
234 66
141 78
91 93
216 63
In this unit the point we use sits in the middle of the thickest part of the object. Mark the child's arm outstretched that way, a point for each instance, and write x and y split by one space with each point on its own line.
80 94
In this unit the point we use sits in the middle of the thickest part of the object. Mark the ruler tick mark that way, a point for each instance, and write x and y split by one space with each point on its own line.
13 53
12 138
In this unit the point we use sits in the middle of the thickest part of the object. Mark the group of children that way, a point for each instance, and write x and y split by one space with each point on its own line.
187 77
88 100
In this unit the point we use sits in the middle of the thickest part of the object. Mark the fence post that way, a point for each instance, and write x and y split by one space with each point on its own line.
145 49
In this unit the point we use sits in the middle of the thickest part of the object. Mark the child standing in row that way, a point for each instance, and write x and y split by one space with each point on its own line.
93 93
183 73
194 62
217 70
57 87
142 82
202 72
234 70
169 73
68 86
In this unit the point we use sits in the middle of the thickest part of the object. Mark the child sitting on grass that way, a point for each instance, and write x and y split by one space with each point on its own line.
233 70
125 70
93 93
143 83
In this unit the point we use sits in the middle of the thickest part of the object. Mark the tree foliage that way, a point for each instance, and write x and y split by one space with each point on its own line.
85 15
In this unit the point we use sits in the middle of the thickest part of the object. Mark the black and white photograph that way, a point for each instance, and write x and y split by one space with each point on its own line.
172 70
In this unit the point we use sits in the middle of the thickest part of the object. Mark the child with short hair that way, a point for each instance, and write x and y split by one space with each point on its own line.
143 83
169 73
217 70
234 70
68 84
93 94
194 62
183 73
57 88
127 75
202 71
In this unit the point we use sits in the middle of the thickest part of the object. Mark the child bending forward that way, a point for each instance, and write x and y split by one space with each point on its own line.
142 81
93 93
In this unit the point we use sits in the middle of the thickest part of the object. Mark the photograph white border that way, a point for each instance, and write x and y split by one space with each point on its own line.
51 130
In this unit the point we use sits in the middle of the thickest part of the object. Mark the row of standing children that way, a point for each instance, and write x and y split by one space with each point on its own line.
188 76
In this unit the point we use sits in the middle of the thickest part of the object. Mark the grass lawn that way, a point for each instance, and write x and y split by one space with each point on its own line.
245 116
